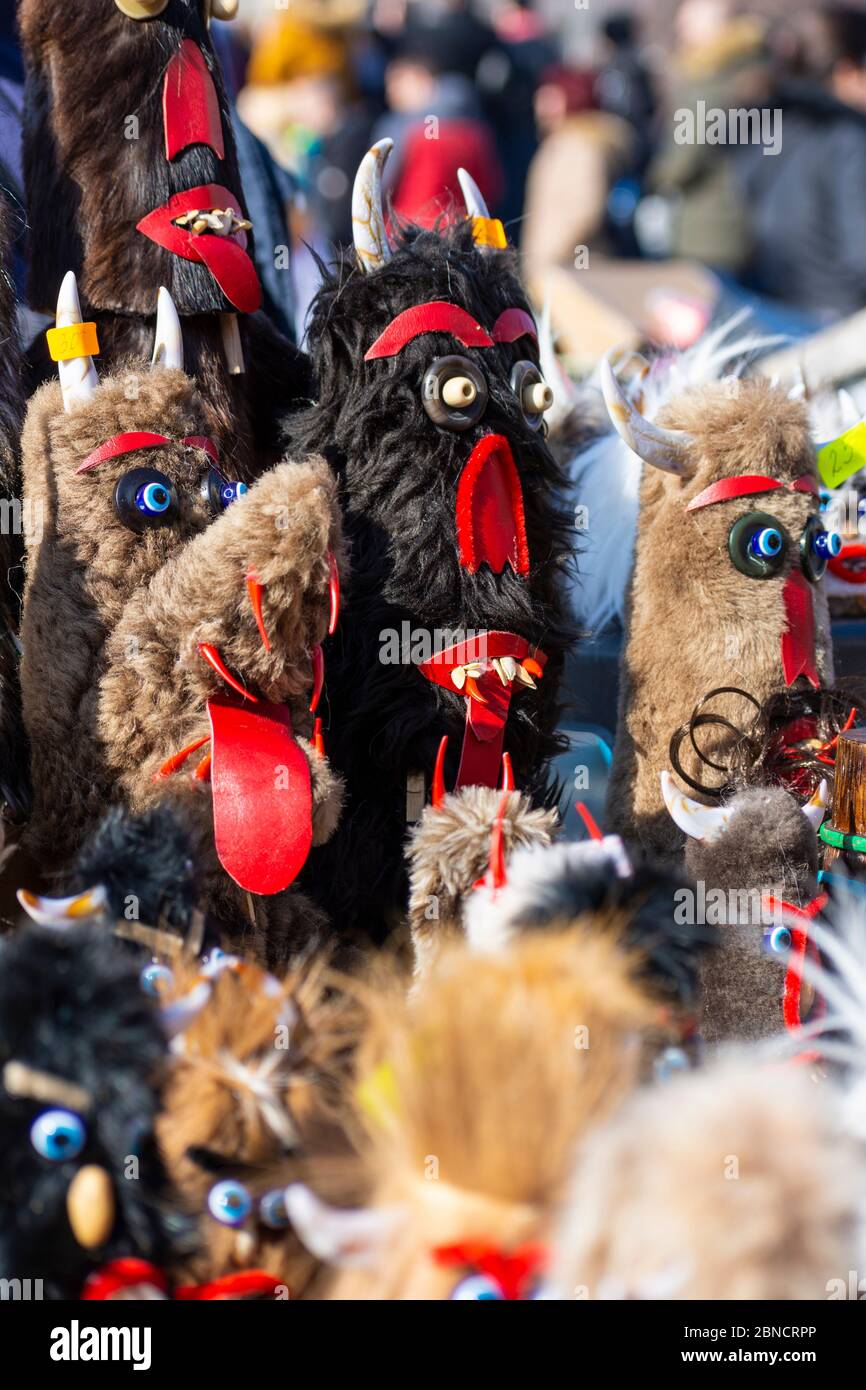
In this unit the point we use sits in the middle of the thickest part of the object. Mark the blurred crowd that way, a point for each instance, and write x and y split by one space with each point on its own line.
582 161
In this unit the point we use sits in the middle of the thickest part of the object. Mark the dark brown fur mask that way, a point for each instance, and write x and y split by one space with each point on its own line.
119 600
401 467
13 744
95 159
704 611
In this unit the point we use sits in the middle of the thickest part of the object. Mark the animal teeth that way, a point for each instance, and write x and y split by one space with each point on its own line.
458 676
475 669
525 678
500 670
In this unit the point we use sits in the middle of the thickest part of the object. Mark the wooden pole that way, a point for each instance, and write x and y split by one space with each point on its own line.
849 792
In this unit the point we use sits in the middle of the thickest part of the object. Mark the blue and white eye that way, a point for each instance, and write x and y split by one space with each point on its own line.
817 547
757 544
155 979
219 493
272 1209
477 1288
777 939
144 498
230 492
229 1202
58 1135
766 543
670 1063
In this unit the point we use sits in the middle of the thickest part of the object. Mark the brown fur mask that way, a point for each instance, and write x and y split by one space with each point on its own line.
251 1098
695 622
113 682
735 1182
472 1096
449 851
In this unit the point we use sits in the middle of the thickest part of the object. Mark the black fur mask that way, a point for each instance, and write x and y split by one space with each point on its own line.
71 1007
400 474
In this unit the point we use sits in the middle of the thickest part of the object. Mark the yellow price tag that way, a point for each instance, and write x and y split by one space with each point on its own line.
76 340
489 231
843 456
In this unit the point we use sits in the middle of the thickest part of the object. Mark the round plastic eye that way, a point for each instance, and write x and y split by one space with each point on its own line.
144 499
817 546
777 939
454 393
532 391
477 1288
229 1202
156 979
272 1209
757 545
58 1134
218 492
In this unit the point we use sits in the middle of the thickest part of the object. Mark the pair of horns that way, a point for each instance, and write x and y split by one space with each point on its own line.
78 377
370 234
665 449
707 822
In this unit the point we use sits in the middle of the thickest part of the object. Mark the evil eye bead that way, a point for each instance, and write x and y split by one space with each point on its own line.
229 1202
144 499
477 1288
155 979
777 939
532 391
218 492
272 1210
454 393
58 1135
817 547
757 545
670 1063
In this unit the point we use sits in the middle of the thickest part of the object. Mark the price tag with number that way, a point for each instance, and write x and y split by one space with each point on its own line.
844 456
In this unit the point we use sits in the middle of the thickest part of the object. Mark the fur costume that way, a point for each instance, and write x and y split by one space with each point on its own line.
122 115
82 1052
471 1096
453 616
251 1096
13 743
735 1182
140 611
732 469
449 851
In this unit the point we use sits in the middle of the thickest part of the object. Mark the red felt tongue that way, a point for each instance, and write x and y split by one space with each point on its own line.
262 797
232 269
484 734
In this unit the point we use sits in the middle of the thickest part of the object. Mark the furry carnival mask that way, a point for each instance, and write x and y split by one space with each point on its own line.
431 408
167 612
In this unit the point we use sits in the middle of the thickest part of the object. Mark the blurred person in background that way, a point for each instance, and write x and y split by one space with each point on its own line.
583 152
808 202
721 60
435 119
454 29
624 85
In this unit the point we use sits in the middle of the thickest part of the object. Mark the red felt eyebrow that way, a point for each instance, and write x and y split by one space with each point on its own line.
128 443
747 485
436 317
512 324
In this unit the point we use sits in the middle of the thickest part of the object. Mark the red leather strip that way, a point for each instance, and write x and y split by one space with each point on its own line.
513 324
232 269
124 1273
121 444
202 441
491 526
806 483
190 107
798 640
262 796
225 257
246 1282
728 488
436 317
841 565
484 647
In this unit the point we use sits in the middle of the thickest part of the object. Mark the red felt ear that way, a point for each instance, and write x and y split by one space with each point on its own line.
190 106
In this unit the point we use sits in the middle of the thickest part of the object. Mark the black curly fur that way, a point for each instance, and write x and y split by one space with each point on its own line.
399 475
71 1005
148 857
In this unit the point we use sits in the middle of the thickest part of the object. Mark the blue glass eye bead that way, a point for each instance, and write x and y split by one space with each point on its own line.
58 1134
229 1202
766 543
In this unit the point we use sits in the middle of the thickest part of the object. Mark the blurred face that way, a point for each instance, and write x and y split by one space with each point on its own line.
409 86
848 82
700 21
550 107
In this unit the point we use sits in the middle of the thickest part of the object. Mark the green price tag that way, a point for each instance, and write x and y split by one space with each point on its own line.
843 456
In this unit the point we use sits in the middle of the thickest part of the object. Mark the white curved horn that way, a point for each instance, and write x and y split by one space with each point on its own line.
65 912
372 246
817 805
699 822
177 1015
666 449
475 204
349 1238
78 379
168 341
